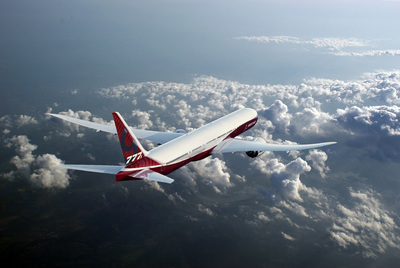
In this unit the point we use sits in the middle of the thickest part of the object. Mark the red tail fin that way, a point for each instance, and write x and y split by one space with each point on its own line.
131 148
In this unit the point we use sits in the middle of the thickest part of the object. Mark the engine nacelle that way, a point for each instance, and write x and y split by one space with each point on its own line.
180 131
252 154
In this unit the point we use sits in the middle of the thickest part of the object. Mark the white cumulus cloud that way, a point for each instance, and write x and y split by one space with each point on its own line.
318 159
40 170
214 172
366 224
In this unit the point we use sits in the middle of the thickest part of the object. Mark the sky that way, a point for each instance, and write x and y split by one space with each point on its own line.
315 71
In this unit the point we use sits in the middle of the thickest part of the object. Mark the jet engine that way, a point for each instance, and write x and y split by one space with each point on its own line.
180 131
254 154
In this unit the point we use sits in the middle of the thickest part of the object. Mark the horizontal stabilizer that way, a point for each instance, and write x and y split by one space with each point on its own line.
114 170
145 174
94 168
237 145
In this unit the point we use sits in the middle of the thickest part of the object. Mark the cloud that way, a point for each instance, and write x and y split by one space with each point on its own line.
287 182
189 178
278 114
375 126
9 121
318 159
214 172
25 120
205 210
334 45
338 43
291 112
143 118
294 207
288 237
275 189
311 121
369 53
271 39
335 91
6 121
173 197
284 179
40 170
46 174
24 158
365 224
189 109
84 115
378 119
330 43
262 217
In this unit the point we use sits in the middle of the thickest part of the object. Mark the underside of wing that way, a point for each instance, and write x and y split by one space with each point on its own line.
153 136
94 168
238 145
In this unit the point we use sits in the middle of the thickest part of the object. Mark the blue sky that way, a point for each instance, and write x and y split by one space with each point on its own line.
315 71
138 41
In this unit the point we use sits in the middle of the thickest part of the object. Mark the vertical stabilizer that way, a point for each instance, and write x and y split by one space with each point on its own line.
132 150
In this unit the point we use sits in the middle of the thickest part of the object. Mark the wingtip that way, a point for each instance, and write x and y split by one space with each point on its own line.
169 182
163 180
54 115
323 144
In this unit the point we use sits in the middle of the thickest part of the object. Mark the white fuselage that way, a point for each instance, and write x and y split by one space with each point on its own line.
203 138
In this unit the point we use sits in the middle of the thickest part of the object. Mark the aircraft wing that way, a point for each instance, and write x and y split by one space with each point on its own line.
236 145
153 136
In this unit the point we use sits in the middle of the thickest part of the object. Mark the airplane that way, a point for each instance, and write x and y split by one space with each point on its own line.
178 148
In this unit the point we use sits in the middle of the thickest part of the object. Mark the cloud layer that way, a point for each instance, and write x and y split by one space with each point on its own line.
307 192
356 113
335 46
330 43
365 224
